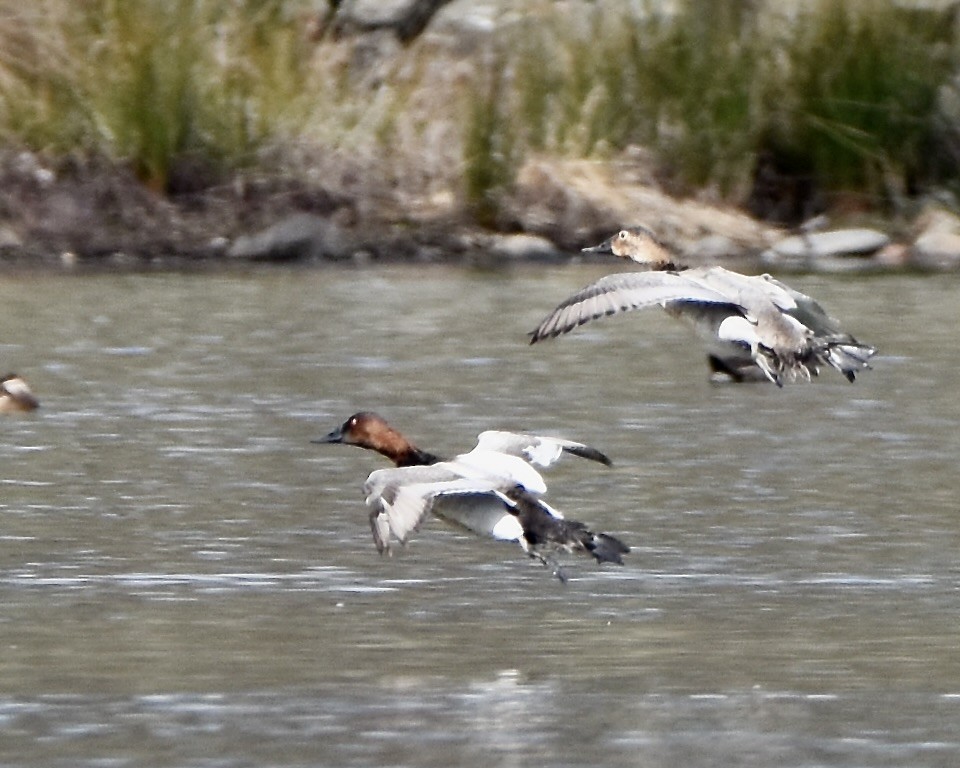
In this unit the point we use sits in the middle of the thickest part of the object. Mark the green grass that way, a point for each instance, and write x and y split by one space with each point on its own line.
846 91
684 84
865 79
148 82
488 151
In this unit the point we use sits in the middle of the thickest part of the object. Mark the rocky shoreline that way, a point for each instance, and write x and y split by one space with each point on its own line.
96 215
317 206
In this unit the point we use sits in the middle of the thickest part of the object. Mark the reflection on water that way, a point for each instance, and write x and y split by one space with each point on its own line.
504 720
185 579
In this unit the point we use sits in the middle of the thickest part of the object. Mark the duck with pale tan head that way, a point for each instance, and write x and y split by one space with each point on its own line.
755 328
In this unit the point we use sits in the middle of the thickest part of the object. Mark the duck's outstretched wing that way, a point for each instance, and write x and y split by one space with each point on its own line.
401 498
624 292
537 449
746 291
805 309
496 468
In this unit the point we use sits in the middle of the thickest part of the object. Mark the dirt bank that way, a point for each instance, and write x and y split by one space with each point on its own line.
70 212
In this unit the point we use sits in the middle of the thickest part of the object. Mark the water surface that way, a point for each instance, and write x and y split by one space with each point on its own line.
185 579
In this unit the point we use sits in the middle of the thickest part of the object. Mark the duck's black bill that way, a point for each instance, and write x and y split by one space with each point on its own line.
604 247
334 437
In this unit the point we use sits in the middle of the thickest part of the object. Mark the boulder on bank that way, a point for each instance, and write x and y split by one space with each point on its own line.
297 237
937 246
835 250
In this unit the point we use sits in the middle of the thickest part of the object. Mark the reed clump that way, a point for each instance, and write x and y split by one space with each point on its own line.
848 92
858 95
151 83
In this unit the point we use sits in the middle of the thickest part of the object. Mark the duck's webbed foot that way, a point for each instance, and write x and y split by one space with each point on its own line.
549 562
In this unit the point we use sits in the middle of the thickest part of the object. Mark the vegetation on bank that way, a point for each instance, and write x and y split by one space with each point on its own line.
846 96
152 83
842 96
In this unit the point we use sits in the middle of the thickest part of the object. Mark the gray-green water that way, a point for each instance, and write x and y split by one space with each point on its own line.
186 580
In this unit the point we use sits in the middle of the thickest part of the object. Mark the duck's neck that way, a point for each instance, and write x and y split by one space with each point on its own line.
660 259
385 440
666 266
412 456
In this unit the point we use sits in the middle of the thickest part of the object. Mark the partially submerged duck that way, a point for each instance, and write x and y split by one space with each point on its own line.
493 490
755 327
15 395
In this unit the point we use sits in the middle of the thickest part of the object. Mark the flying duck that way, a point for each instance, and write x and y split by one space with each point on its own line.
755 327
493 490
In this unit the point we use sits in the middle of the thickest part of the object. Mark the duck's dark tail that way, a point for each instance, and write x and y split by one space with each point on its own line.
842 352
575 536
847 355
606 548
542 530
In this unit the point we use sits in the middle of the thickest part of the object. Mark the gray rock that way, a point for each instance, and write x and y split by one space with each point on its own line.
935 219
9 238
406 19
713 248
520 247
300 237
937 244
375 11
808 250
937 249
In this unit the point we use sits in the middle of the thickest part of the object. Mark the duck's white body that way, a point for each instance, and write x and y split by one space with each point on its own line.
469 490
401 498
493 490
